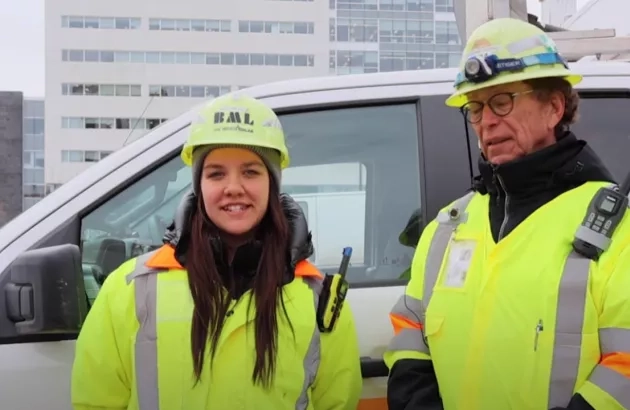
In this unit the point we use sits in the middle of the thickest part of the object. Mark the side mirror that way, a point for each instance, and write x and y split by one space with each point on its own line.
46 292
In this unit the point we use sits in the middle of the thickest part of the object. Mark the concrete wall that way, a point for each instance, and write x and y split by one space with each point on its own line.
10 155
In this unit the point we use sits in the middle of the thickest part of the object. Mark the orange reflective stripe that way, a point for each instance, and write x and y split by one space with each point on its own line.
163 258
399 323
619 362
306 269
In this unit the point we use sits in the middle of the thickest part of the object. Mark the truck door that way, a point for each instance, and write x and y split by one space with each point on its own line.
367 185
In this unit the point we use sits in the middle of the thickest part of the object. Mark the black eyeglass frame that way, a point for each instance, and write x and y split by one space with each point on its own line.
465 109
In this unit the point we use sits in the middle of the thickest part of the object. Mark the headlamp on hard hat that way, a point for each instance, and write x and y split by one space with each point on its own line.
478 70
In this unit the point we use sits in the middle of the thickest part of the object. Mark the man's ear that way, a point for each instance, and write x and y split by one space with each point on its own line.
556 106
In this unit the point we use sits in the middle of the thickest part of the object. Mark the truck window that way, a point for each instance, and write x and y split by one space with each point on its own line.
361 165
354 169
603 124
324 188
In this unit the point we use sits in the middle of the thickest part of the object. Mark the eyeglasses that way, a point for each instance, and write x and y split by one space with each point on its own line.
501 105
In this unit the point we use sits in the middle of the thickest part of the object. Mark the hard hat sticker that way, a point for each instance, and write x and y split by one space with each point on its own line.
272 123
233 119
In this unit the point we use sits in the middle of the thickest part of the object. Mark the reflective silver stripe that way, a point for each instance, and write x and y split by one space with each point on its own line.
408 339
145 282
613 383
413 308
614 340
408 307
520 46
448 222
568 333
313 354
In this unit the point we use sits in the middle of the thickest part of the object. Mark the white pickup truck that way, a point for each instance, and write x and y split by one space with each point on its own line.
394 127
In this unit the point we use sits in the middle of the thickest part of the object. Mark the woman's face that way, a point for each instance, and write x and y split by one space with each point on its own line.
235 189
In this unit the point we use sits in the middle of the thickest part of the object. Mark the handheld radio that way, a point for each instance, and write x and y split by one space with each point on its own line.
335 288
605 211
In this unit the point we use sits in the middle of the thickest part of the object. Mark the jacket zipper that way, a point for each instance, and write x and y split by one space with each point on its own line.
505 208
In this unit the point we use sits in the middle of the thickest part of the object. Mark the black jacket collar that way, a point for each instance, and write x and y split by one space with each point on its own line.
536 179
566 164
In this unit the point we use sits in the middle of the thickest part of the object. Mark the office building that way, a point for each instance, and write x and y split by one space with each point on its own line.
116 69
10 155
34 187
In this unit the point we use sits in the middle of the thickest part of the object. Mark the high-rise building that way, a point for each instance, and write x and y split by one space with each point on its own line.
116 69
34 187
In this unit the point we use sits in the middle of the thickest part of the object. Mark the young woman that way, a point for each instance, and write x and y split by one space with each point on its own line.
223 316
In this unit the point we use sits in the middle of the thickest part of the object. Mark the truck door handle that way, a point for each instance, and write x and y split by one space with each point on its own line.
371 368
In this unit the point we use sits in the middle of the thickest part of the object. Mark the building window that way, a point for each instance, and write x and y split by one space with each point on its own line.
33 153
446 32
117 23
406 60
83 156
33 126
355 4
354 61
34 190
169 57
33 159
190 91
118 90
356 30
406 31
282 27
33 176
445 6
110 123
215 26
52 187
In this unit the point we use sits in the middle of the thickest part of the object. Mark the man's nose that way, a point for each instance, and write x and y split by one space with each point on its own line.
488 117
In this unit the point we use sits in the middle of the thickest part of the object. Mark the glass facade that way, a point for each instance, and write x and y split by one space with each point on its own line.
34 187
397 35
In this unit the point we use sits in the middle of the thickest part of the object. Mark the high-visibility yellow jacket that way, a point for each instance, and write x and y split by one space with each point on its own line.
522 324
134 349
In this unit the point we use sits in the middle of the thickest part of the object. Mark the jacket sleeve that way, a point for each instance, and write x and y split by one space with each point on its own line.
412 383
608 385
101 370
338 383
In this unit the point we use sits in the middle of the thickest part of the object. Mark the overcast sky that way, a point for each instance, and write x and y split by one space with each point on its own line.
22 44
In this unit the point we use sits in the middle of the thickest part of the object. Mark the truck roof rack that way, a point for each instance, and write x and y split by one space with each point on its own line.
572 44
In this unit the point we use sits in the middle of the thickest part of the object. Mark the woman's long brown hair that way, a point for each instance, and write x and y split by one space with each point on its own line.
209 296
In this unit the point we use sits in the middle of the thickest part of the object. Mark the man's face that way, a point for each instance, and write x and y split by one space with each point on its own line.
520 123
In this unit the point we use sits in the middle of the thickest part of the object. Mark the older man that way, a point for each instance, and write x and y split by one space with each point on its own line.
519 295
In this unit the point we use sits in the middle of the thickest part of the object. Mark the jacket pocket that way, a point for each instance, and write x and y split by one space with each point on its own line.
433 330
433 325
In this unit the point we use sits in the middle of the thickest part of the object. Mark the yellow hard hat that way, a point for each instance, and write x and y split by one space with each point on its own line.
236 120
507 50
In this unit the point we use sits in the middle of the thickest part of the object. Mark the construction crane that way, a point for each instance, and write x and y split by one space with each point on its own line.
572 44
